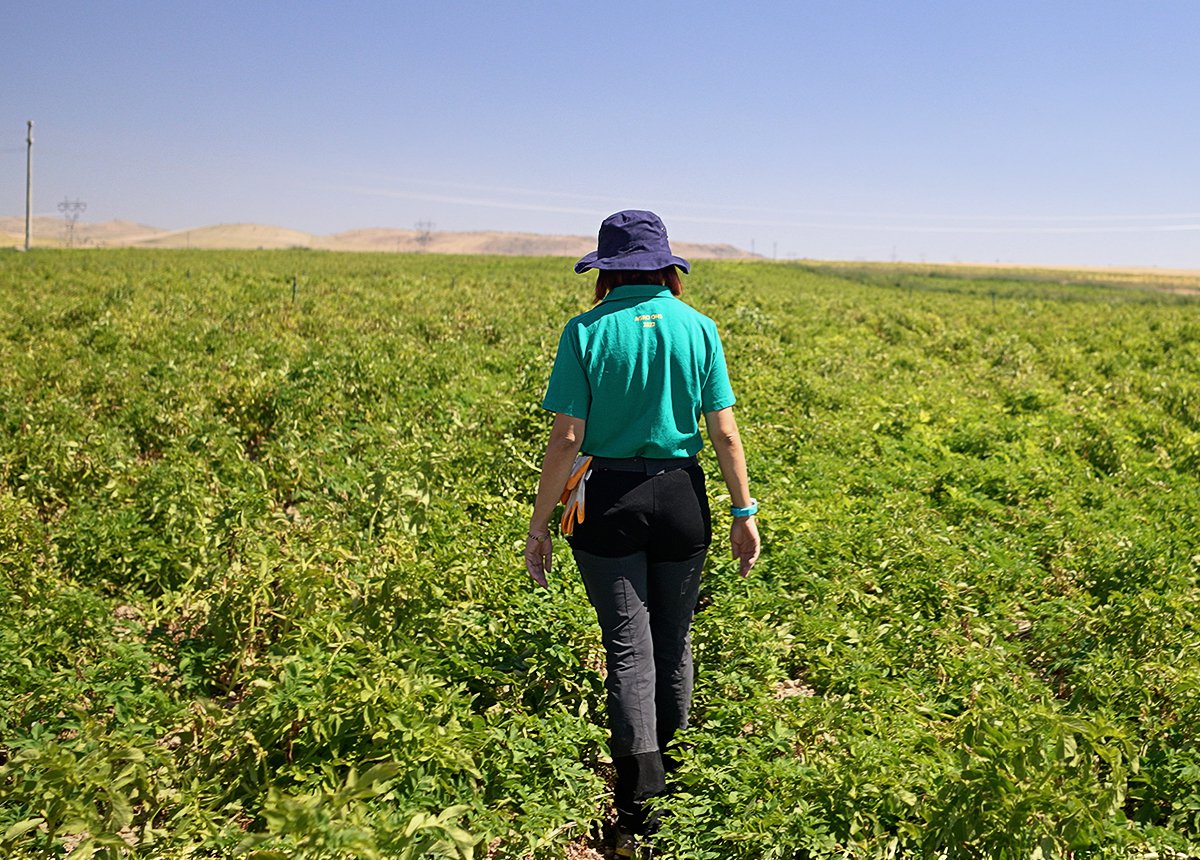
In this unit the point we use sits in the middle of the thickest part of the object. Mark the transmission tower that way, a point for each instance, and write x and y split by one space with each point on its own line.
424 234
71 210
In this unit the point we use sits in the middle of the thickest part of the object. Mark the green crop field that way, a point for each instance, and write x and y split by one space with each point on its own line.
261 593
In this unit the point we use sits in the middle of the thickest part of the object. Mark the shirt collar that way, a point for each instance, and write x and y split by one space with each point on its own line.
636 291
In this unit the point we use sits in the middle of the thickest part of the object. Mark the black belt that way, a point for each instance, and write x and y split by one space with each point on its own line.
644 465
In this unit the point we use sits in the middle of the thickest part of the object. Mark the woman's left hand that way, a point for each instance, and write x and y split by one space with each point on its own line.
744 542
539 550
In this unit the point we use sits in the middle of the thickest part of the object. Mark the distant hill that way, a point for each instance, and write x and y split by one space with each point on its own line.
51 232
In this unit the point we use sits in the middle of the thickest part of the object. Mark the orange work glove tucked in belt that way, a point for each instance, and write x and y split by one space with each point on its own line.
573 494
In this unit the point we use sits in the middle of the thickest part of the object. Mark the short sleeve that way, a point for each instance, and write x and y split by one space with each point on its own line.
716 393
568 391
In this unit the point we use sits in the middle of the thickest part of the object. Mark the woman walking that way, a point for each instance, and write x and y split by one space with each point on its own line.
630 380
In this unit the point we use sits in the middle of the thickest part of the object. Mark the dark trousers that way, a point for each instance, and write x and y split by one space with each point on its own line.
640 551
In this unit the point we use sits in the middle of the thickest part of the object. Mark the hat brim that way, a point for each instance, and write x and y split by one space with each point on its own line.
644 262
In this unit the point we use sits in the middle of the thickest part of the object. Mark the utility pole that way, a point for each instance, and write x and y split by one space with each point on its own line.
28 183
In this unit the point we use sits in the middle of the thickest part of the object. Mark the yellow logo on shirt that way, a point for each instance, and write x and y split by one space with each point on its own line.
647 320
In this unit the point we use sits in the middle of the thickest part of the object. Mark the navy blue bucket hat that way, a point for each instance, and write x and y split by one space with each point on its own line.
632 239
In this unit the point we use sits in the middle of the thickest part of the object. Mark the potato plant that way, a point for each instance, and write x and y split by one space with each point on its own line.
262 592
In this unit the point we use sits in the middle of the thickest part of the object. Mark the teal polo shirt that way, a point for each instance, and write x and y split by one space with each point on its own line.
639 368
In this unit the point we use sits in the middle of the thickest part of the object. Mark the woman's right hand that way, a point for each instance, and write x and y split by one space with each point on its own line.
565 438
539 551
744 542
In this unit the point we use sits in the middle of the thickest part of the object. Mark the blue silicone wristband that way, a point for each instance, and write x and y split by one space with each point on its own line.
749 511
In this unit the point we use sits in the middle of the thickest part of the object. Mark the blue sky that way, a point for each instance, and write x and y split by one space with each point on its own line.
1053 132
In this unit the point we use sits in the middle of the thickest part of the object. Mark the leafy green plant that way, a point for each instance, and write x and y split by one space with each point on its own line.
260 589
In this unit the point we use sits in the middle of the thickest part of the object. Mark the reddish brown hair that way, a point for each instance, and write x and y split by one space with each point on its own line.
606 280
